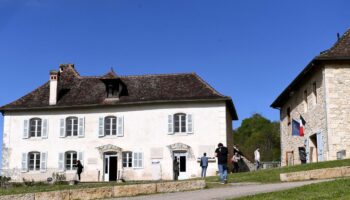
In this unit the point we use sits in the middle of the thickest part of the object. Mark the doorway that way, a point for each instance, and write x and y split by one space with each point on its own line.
182 159
110 167
313 148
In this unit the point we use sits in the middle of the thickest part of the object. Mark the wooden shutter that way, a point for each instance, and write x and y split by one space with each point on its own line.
189 123
25 129
120 124
44 128
43 161
81 157
24 167
101 132
61 162
62 127
170 124
81 128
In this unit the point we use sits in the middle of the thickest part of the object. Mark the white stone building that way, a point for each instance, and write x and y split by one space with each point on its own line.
120 127
320 95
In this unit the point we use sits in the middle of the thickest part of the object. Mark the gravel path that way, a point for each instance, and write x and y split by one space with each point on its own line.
232 191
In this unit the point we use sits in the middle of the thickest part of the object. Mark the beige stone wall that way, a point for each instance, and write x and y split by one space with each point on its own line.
337 78
315 117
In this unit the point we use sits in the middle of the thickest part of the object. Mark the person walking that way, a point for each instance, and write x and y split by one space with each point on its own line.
204 165
176 169
221 153
79 169
235 159
257 158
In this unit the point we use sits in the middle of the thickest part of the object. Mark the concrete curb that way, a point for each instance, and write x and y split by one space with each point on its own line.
111 191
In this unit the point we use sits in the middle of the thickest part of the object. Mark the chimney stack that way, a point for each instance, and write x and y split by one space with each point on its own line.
53 87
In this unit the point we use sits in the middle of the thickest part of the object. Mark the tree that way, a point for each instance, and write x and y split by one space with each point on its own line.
258 131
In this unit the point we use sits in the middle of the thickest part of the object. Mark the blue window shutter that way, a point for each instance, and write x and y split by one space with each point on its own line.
24 167
319 146
62 127
189 123
307 150
45 128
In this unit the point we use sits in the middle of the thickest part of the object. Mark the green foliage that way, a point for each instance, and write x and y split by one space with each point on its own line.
258 131
59 178
4 181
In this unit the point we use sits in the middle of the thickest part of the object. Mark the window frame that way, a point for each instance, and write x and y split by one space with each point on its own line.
71 164
127 159
74 129
182 123
36 161
112 127
38 123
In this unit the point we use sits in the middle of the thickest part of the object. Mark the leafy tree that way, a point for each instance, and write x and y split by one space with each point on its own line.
257 131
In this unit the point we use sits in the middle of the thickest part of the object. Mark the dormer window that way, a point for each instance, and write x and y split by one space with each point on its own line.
112 91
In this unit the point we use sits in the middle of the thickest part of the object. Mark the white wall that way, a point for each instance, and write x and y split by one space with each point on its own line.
145 127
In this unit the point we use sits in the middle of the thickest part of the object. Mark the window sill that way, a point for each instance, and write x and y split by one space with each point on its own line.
137 168
181 134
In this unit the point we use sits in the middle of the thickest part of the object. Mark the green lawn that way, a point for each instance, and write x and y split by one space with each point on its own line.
338 189
273 175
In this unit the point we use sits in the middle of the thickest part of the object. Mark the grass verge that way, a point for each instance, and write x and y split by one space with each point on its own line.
273 175
338 189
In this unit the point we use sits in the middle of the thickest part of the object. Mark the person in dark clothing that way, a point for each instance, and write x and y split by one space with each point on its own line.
302 155
176 168
79 167
221 153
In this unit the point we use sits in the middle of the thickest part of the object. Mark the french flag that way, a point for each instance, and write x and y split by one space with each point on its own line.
301 124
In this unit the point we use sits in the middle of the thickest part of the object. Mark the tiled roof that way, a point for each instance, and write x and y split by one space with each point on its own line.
78 91
340 51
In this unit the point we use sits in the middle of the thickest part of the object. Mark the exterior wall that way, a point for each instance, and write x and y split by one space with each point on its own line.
337 78
229 137
145 128
315 117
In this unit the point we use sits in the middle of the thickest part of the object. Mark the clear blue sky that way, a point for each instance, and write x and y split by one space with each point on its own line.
249 50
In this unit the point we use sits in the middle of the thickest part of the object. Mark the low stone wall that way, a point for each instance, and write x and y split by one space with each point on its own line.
316 174
111 191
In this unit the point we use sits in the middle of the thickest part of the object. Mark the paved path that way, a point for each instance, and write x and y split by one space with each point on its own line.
232 191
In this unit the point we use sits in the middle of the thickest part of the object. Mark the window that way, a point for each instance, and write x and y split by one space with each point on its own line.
180 123
34 161
70 160
72 126
288 116
110 125
305 101
138 160
127 159
314 91
35 127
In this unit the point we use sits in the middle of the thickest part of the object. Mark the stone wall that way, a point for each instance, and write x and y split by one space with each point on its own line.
111 191
316 174
337 78
314 115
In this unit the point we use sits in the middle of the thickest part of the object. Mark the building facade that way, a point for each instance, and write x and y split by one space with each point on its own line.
119 127
318 95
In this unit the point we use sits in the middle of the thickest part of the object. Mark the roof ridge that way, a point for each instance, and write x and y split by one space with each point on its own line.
147 75
336 44
208 85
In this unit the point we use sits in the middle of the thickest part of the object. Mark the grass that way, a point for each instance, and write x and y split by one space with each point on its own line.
338 189
273 175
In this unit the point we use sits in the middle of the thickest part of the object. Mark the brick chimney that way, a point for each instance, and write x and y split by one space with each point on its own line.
53 87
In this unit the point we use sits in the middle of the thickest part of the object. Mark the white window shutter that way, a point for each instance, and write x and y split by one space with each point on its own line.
43 161
120 124
189 123
61 162
81 129
81 157
25 129
24 167
170 124
62 127
141 160
101 132
44 128
134 157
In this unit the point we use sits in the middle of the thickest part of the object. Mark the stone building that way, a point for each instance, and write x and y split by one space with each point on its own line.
319 94
120 127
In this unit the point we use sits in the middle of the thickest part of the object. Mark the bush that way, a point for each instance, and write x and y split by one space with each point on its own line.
4 181
59 178
28 183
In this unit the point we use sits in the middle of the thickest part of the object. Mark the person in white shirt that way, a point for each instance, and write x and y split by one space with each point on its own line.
257 158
